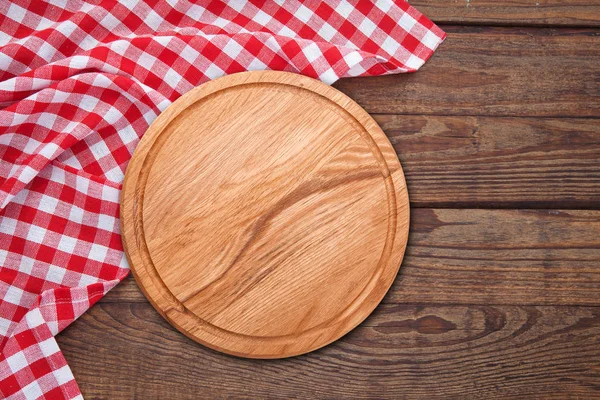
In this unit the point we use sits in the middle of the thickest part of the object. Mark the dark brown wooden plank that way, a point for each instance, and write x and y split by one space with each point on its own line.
502 257
514 12
126 351
511 257
494 71
466 162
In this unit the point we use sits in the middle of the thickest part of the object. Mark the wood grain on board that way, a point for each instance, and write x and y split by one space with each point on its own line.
511 12
468 256
271 227
495 72
126 351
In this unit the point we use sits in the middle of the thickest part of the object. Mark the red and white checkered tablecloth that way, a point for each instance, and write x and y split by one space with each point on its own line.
79 85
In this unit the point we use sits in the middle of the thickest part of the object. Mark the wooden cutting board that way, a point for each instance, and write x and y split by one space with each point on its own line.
264 214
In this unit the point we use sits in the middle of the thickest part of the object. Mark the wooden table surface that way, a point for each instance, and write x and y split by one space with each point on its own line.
499 292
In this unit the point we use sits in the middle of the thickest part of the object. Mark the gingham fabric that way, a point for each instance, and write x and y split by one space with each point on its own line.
79 85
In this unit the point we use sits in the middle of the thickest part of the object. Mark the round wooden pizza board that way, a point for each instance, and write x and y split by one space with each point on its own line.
264 214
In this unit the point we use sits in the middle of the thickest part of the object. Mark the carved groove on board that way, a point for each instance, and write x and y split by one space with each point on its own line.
180 306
